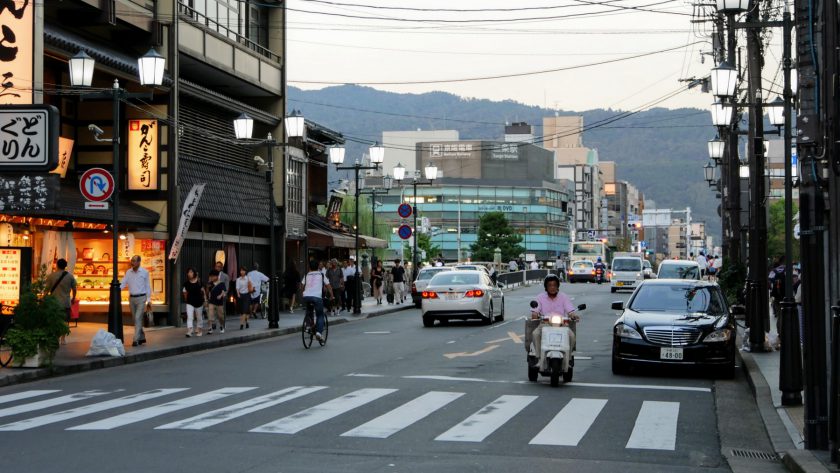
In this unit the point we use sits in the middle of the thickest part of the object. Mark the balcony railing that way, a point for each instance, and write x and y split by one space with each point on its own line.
189 14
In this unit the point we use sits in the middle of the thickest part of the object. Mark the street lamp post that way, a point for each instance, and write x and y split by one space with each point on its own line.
387 184
377 155
150 72
431 174
243 127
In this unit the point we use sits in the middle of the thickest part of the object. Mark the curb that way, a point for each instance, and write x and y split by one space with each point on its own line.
110 362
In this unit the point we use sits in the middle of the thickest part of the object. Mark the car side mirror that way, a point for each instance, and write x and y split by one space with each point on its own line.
582 307
737 309
617 305
534 304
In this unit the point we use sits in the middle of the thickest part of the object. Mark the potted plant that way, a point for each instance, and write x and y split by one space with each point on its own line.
39 323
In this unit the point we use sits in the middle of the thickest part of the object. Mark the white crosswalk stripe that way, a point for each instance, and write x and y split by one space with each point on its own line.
323 412
480 425
415 410
570 425
47 403
85 410
26 395
154 411
209 419
656 426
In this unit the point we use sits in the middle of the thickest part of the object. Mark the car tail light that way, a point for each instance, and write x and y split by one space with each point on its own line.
474 293
414 287
429 295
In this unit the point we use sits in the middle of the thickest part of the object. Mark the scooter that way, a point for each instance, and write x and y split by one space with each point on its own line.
599 275
559 359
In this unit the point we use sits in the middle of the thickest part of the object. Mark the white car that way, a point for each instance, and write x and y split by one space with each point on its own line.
678 269
462 295
627 273
472 267
423 277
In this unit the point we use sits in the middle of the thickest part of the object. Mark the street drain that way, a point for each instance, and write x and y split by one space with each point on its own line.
754 454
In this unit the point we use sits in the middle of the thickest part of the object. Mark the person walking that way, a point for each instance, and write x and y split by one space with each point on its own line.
512 266
335 276
350 284
291 283
257 278
224 280
376 275
491 269
136 279
216 302
195 296
399 281
62 286
704 265
243 297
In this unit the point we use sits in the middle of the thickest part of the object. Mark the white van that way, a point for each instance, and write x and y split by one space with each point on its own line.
627 272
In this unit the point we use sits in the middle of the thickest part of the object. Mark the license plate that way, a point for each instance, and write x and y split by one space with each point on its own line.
671 353
451 296
556 339
619 283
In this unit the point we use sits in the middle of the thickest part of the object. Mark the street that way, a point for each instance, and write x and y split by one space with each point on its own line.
384 395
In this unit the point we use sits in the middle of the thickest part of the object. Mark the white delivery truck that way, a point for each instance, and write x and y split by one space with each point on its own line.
627 271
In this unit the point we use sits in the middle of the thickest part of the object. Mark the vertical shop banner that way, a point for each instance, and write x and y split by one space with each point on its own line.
17 51
143 155
65 151
187 212
14 272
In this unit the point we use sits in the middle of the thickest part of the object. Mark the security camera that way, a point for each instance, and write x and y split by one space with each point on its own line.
95 130
260 161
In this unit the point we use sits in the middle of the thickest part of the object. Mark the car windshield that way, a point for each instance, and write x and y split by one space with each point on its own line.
586 248
454 278
678 271
581 265
428 273
677 298
627 264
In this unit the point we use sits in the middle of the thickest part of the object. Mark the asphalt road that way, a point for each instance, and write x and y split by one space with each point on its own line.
384 395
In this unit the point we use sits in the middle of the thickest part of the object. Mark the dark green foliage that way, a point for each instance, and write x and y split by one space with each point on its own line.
39 322
776 232
494 231
731 280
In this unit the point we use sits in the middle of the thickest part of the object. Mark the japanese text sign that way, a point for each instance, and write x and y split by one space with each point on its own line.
17 53
143 155
65 151
28 138
28 192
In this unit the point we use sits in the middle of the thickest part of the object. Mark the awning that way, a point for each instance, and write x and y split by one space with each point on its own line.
371 242
325 238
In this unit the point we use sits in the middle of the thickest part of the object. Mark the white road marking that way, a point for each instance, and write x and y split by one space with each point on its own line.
413 411
656 426
34 406
26 395
365 375
378 333
209 419
89 409
322 412
570 425
452 378
154 411
450 342
480 425
642 386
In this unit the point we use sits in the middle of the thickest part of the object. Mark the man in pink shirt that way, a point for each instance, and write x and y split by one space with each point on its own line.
553 302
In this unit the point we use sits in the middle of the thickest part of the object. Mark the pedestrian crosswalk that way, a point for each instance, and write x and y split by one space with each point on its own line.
458 417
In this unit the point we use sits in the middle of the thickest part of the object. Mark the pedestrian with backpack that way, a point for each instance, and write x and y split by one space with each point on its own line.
777 290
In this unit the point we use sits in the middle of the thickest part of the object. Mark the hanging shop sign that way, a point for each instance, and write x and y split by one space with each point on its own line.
28 192
14 273
17 51
143 155
28 137
65 151
187 212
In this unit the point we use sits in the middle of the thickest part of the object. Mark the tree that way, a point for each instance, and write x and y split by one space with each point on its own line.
348 217
776 232
494 231
424 243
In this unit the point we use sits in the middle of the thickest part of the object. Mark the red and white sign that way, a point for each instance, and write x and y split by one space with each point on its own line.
97 185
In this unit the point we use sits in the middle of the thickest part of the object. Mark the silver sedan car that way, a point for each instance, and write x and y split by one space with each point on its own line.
462 295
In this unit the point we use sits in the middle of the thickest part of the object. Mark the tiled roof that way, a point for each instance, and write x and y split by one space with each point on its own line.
232 194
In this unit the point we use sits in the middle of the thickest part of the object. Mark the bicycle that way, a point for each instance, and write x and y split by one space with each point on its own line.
7 319
308 330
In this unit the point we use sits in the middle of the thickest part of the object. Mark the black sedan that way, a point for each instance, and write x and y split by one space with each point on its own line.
676 323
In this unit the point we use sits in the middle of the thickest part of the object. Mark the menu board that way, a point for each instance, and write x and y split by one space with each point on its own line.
14 269
152 253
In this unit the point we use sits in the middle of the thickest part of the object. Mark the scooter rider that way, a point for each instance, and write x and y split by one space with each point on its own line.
600 265
552 302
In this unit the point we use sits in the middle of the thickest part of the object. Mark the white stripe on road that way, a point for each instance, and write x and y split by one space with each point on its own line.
480 425
570 425
365 375
452 378
641 386
209 419
392 422
323 412
381 332
154 411
26 395
57 401
656 426
85 410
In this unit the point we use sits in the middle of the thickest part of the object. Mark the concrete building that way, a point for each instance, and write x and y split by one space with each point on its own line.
400 146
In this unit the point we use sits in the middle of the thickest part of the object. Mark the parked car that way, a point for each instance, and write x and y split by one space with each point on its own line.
647 269
625 273
581 271
678 269
675 322
423 277
462 295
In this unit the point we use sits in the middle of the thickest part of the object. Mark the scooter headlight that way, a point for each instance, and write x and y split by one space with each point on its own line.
625 331
556 320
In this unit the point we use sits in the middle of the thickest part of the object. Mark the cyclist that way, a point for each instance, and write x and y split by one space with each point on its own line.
314 285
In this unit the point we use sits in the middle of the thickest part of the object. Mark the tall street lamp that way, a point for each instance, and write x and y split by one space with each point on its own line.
377 155
243 128
387 184
150 73
431 172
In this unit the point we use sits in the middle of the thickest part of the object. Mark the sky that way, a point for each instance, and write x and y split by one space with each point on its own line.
384 51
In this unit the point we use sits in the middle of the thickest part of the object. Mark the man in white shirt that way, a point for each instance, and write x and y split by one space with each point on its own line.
535 265
314 284
139 287
350 284
512 266
256 278
701 261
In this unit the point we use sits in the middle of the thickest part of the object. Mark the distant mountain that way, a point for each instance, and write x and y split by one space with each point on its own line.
660 151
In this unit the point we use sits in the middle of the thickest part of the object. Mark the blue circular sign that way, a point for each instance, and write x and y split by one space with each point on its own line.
404 211
404 232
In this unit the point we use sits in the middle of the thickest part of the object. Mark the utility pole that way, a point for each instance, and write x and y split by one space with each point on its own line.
730 167
832 135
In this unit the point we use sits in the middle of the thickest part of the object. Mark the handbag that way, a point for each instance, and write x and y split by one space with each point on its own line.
74 310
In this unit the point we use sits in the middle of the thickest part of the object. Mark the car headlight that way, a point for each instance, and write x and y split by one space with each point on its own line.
625 331
718 336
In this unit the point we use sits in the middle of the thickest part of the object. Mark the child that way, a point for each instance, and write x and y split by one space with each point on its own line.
216 306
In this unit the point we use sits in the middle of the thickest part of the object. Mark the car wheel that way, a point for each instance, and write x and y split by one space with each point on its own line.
418 304
428 321
618 366
490 316
501 316
556 365
567 376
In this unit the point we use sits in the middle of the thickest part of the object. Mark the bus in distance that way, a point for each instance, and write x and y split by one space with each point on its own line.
590 250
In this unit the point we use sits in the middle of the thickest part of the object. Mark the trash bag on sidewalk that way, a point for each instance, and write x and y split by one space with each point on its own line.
105 344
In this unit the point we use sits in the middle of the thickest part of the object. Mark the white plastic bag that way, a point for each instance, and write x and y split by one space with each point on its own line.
105 344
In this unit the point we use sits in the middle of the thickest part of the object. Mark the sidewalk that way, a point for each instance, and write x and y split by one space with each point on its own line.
170 341
784 424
